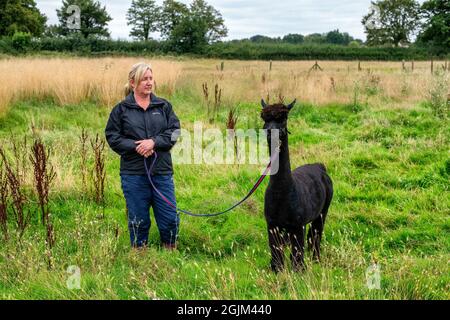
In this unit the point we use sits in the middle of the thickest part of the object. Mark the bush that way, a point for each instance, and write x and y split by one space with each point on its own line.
21 41
78 44
278 51
236 49
5 45
438 94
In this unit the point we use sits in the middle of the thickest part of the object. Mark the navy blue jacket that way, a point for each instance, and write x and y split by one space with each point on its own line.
128 123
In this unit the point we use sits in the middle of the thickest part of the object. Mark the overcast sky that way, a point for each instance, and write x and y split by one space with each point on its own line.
250 17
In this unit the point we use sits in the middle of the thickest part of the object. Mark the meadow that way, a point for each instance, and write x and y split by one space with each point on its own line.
381 129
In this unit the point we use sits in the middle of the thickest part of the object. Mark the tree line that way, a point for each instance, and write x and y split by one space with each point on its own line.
199 27
333 37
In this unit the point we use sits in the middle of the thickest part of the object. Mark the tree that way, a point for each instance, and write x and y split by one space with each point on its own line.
315 38
391 21
93 18
171 15
261 39
191 29
436 28
336 37
143 15
189 35
21 16
294 38
212 18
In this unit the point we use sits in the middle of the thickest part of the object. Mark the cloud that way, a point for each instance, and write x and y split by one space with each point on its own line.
247 18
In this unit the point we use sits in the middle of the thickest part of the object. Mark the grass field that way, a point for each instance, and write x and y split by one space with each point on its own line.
383 134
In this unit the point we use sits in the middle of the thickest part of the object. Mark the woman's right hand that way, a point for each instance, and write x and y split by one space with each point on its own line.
148 153
145 147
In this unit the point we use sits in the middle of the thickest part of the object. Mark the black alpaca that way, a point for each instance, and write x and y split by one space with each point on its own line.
293 198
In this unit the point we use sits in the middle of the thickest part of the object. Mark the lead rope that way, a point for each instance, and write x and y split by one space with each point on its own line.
258 182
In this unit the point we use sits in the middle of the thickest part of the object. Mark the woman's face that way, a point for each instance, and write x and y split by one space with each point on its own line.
146 85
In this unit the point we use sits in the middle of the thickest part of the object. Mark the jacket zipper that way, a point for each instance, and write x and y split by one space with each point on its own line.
145 123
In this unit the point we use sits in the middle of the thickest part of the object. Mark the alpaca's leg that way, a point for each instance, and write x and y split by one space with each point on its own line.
297 240
315 235
276 248
309 238
317 226
316 229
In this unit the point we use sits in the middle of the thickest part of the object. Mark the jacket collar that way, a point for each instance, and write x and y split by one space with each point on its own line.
130 101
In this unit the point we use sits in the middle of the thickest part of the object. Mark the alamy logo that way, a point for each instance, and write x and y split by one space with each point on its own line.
212 146
74 280
74 18
373 277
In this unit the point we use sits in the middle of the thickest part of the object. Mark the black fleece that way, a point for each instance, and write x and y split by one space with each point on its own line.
128 123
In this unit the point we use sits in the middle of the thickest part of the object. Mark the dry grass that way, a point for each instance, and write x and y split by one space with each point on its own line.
248 81
74 80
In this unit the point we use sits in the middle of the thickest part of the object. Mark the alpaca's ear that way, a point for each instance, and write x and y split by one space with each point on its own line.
263 103
292 104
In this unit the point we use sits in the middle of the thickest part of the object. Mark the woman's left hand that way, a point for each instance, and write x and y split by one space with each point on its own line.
145 146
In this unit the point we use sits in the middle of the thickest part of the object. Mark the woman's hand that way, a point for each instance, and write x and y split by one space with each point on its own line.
149 153
145 147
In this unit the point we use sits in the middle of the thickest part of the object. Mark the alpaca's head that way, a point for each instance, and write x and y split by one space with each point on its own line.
275 117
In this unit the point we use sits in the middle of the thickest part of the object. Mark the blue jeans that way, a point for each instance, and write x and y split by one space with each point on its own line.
140 196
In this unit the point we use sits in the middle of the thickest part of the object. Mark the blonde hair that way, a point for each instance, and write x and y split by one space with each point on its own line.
136 74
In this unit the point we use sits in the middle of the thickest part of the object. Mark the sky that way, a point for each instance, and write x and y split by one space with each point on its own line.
251 17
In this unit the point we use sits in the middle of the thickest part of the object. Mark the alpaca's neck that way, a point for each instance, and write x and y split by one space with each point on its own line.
282 180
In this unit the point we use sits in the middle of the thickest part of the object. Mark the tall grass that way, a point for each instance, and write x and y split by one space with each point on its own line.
73 81
439 96
76 80
249 81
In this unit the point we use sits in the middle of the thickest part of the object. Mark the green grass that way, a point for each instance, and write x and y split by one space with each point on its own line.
391 175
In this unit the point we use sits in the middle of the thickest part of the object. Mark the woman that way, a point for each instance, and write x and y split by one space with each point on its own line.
137 127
